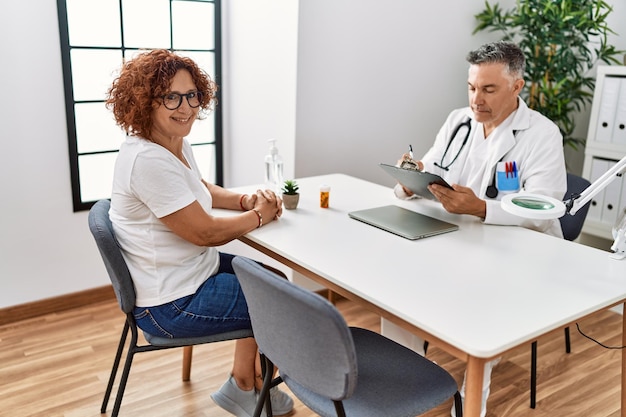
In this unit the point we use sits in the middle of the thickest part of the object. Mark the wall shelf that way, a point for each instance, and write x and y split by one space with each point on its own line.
606 144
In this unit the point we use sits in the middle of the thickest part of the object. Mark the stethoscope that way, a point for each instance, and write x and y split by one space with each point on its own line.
467 123
492 190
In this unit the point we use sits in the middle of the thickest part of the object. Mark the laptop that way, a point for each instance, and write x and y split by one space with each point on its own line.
416 181
403 222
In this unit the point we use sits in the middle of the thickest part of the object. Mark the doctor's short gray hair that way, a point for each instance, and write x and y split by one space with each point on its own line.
506 53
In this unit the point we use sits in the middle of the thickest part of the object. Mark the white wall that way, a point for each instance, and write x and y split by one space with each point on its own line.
259 85
367 88
45 248
374 77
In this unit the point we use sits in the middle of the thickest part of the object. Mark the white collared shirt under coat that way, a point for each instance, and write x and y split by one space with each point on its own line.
536 148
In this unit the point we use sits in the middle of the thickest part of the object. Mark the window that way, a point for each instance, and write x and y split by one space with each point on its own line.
96 36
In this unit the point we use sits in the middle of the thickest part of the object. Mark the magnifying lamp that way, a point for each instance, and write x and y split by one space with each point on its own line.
535 206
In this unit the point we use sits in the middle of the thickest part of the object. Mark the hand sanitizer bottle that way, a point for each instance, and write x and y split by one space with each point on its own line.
273 168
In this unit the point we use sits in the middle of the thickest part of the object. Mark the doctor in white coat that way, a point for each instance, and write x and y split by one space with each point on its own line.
495 146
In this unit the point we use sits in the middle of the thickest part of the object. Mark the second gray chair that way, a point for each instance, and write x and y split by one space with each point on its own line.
333 369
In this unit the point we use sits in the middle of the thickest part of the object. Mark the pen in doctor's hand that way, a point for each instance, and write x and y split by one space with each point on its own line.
411 151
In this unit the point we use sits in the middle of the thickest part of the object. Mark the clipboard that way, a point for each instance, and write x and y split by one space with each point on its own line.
414 180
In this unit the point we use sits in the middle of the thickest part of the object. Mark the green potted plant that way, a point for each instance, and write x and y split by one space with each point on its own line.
290 194
562 41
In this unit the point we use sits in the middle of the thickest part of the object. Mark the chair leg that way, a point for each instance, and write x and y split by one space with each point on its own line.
568 346
533 374
187 355
458 404
341 412
267 368
125 372
116 364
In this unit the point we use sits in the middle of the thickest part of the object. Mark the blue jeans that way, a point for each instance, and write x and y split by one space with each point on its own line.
217 306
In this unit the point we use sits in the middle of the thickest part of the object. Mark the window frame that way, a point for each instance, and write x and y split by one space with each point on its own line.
77 201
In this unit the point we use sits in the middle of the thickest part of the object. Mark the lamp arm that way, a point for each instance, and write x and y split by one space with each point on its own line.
576 202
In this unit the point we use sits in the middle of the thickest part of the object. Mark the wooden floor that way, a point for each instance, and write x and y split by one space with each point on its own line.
58 365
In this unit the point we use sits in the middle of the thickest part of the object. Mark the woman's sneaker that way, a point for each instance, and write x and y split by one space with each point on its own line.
281 402
235 400
243 403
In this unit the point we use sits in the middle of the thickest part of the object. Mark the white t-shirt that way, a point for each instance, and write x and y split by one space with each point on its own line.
149 183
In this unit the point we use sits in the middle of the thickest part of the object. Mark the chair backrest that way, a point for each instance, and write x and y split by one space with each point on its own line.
572 225
303 334
102 230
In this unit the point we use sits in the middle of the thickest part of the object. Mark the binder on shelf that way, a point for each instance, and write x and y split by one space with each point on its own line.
622 205
610 208
606 143
608 108
619 124
598 167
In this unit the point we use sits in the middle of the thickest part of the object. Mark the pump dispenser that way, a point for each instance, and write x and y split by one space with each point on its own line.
273 168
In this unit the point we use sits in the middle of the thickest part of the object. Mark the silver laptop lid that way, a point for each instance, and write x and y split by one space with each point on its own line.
403 222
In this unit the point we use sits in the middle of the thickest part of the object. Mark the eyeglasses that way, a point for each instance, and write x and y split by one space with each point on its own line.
172 101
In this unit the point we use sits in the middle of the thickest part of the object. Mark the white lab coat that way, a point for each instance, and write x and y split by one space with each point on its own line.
536 147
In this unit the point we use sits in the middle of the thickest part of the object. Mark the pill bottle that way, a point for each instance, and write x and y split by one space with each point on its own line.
324 196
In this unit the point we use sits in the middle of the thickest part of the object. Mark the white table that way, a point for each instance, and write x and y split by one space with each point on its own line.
476 292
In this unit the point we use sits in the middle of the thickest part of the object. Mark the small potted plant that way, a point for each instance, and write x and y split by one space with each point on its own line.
290 194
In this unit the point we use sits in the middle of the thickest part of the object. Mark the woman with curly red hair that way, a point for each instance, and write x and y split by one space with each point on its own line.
161 214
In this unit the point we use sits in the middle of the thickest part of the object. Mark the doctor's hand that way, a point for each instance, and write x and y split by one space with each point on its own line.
459 200
407 157
406 191
420 166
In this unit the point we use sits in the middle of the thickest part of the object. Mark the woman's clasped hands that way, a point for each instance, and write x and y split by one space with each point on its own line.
267 202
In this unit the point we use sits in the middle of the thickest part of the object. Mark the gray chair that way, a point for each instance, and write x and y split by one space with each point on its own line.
102 230
571 227
333 369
